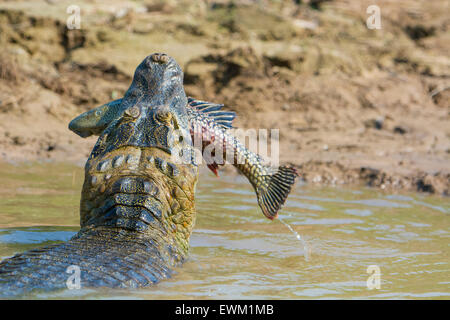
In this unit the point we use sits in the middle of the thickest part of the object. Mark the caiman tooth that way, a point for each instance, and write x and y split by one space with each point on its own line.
103 165
161 164
150 162
94 181
131 159
117 161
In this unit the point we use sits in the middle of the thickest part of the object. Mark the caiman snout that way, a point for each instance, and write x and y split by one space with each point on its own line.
160 58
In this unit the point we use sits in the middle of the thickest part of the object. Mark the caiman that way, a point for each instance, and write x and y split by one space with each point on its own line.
137 204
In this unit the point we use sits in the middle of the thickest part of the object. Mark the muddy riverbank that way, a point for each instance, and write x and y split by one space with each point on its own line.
353 105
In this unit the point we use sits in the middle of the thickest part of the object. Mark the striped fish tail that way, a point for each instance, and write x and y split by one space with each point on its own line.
273 193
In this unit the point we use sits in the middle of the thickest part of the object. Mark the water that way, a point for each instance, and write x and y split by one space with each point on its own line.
306 249
236 253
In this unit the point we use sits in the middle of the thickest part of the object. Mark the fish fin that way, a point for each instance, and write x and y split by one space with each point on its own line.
212 110
272 195
213 167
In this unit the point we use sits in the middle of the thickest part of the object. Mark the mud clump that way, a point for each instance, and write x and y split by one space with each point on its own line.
223 68
9 68
419 31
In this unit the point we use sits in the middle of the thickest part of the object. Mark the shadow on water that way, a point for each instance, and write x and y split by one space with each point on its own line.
236 253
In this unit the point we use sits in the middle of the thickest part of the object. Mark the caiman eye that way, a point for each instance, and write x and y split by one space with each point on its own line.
132 112
163 115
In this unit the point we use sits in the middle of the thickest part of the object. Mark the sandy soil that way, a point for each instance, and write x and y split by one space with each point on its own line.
353 105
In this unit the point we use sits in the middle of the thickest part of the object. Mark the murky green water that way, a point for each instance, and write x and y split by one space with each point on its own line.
236 253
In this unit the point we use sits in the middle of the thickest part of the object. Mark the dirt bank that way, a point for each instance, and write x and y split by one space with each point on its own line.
353 105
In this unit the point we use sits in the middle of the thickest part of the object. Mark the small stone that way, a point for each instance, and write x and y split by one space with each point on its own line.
399 130
285 107
374 123
20 141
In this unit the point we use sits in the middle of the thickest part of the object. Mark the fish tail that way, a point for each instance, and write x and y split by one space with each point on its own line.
275 189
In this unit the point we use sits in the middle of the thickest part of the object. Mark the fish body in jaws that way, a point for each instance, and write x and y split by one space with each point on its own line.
210 125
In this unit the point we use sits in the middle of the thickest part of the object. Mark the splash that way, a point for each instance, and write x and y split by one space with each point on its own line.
306 248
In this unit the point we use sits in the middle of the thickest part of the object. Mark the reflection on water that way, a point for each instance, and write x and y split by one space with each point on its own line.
236 253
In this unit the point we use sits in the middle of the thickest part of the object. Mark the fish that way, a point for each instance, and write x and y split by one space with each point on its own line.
211 125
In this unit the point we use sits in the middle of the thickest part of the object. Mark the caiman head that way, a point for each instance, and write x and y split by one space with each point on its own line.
133 180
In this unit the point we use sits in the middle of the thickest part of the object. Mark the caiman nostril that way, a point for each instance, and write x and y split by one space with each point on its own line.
160 58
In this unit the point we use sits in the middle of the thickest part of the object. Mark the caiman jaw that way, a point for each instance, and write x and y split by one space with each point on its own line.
141 190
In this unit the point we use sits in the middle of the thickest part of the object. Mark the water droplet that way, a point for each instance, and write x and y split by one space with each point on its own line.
306 249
